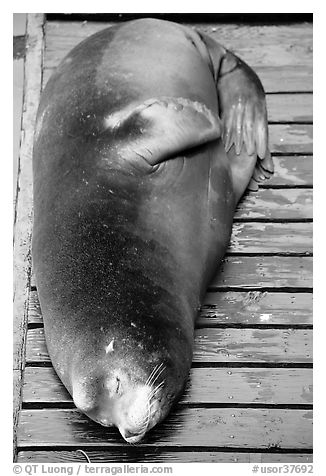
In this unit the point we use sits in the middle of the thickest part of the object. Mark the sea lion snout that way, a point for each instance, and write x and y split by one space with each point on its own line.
137 412
133 407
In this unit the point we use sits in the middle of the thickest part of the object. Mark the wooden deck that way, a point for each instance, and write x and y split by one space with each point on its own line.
249 398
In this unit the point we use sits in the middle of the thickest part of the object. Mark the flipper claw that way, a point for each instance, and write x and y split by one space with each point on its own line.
253 186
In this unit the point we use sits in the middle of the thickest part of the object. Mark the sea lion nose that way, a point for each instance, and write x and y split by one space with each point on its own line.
130 434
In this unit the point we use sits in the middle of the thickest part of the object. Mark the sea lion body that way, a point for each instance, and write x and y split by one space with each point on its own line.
134 196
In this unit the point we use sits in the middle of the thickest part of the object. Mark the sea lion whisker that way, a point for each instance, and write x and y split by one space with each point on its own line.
149 405
157 376
155 390
151 375
154 393
148 416
149 410
152 379
86 456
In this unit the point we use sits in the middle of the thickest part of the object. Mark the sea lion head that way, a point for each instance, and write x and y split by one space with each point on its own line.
130 383
118 400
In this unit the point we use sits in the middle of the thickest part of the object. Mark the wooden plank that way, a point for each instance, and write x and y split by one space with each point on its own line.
253 308
160 455
23 212
253 345
19 30
18 76
222 345
289 238
201 427
286 78
249 386
245 272
281 55
261 45
289 108
266 45
291 171
205 386
275 79
17 390
235 308
276 204
34 312
293 138
23 205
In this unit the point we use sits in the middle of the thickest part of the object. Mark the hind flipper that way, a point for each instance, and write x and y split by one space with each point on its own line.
242 108
244 116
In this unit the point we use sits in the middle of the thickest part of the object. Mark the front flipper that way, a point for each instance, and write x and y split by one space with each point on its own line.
162 128
243 112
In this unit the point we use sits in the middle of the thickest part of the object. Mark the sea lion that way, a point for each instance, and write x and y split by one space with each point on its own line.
147 135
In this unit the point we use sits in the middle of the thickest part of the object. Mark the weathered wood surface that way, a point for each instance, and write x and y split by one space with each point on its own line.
185 426
260 45
19 31
221 345
253 345
23 212
254 308
17 402
281 56
289 108
260 238
291 171
290 138
23 204
287 78
205 386
18 77
160 455
253 337
257 272
276 204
